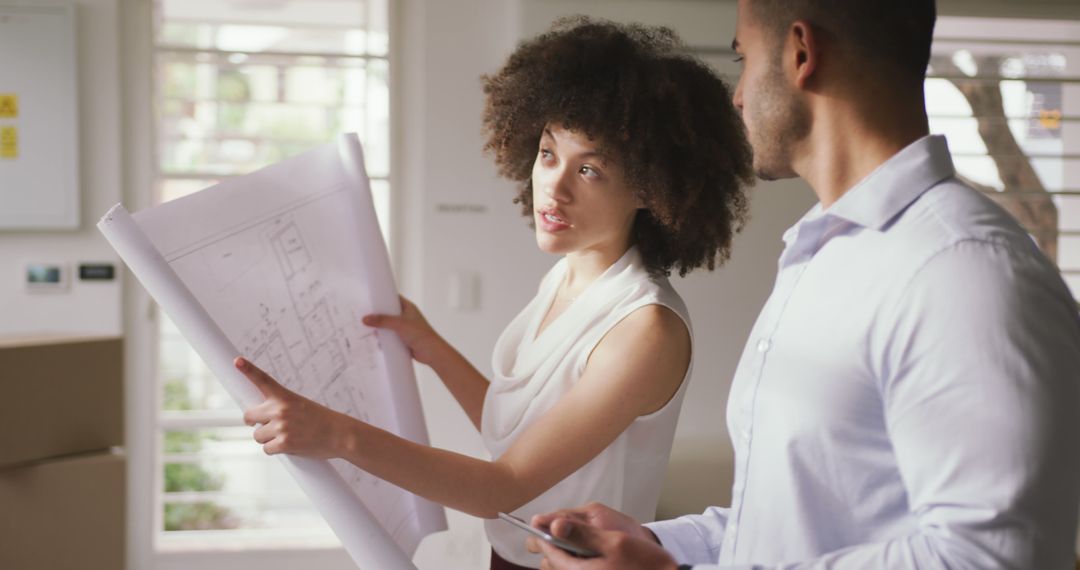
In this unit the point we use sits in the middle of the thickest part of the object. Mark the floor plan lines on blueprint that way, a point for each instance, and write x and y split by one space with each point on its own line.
329 351
280 266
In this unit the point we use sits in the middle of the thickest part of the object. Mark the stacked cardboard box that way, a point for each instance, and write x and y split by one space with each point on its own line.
62 473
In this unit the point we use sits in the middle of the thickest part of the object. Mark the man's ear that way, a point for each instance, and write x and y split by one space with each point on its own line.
803 43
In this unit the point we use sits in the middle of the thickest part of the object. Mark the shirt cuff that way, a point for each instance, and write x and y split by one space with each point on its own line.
683 540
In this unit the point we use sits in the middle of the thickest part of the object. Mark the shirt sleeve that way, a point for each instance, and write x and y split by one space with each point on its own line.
979 369
693 539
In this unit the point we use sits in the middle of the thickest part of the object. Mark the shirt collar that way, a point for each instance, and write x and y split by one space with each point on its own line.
894 185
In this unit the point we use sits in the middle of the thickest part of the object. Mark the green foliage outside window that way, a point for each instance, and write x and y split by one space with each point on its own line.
188 477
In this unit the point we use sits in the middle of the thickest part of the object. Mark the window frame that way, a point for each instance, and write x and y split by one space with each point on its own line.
956 34
141 319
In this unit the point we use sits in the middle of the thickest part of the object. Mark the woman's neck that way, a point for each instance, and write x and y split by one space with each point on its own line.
584 266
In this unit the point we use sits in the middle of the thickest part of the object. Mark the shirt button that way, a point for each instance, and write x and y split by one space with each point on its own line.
764 345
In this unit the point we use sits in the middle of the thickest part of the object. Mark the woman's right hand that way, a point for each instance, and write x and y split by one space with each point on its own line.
423 342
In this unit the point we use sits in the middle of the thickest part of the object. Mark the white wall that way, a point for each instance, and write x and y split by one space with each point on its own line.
86 307
444 47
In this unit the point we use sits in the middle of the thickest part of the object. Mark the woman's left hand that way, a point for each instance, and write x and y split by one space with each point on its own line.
290 423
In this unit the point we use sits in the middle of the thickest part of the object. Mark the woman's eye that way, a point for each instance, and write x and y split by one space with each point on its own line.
589 171
546 154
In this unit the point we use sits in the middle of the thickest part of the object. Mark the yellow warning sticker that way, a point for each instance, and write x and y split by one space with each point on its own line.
9 105
9 142
1050 119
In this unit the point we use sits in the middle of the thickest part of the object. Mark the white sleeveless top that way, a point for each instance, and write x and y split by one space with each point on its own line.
531 374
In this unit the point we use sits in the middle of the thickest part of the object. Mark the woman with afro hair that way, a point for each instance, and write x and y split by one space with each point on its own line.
631 163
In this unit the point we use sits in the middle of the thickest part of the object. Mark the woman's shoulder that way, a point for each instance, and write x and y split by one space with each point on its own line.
650 302
652 321
653 345
658 291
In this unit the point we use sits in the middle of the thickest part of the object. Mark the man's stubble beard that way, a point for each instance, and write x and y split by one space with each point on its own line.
781 121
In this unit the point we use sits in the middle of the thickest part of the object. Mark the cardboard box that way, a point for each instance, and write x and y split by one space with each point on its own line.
64 514
59 396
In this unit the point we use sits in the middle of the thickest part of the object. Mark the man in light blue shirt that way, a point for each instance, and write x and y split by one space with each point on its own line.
908 396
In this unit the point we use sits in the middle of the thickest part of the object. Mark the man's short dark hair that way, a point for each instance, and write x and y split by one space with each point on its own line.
891 35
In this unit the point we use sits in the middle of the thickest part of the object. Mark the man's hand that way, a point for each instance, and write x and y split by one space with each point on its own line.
596 515
618 550
620 539
290 423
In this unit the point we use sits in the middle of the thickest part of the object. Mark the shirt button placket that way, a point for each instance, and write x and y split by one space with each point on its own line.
786 286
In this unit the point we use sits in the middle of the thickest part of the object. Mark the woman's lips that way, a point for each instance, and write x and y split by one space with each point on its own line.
551 221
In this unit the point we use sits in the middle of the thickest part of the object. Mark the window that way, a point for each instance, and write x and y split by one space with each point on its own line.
237 86
1006 93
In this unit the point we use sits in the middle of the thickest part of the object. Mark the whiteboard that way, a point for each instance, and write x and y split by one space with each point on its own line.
39 162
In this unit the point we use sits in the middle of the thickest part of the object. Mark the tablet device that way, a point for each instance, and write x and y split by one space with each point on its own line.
579 551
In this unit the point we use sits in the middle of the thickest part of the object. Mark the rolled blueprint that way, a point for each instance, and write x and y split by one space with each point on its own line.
366 541
279 266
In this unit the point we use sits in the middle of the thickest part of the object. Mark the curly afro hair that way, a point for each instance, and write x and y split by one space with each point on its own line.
665 117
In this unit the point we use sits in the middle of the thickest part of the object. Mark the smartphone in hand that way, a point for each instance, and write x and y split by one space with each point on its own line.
576 550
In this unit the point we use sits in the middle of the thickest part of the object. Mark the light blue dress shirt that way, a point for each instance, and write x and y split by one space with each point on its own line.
909 395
